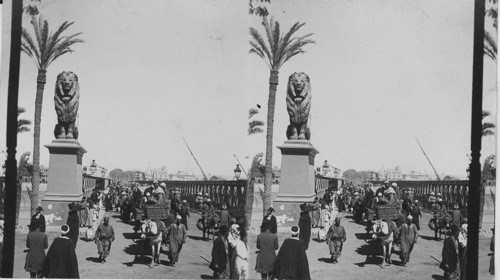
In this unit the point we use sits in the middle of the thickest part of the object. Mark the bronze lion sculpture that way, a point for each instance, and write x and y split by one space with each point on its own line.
298 104
66 100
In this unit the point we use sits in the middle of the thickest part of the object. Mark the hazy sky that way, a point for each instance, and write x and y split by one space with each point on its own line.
152 72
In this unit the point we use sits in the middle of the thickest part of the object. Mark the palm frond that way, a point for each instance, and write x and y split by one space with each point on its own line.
268 27
485 114
29 46
286 39
56 37
255 127
261 43
252 112
21 129
490 46
20 110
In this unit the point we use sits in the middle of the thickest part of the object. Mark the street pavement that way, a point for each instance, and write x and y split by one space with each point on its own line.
356 262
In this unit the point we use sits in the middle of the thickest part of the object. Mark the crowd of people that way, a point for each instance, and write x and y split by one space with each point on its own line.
230 253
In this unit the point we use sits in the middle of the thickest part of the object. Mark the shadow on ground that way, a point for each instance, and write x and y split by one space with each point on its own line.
199 238
131 235
369 250
425 237
437 277
93 259
325 260
363 236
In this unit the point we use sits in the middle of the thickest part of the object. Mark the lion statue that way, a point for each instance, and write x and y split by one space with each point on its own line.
66 100
298 104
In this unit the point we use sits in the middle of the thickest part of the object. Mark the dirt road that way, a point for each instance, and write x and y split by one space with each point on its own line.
353 264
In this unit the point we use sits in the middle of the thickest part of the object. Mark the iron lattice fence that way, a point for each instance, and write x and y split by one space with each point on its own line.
452 191
231 193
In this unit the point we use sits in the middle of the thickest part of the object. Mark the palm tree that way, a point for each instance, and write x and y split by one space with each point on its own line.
277 50
22 126
43 51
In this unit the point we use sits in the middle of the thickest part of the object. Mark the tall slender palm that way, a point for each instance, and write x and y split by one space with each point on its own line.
46 48
22 126
277 50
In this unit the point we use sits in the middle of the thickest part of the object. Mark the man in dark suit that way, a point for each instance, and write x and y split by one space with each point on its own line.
272 219
37 218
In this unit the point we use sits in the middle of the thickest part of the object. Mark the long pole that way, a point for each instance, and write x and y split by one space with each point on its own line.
11 163
476 135
204 176
437 175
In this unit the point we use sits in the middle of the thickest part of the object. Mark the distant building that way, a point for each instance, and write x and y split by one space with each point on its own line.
416 176
394 174
181 176
329 171
95 170
160 174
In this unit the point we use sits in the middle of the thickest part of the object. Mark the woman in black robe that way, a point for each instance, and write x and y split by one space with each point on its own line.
305 225
73 223
61 261
291 262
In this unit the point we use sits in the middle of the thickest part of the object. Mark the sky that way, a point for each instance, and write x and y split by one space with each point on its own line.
152 72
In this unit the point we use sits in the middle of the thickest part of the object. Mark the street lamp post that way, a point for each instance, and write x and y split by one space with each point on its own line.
237 172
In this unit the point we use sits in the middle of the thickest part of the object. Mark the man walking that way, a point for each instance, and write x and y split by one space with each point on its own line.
184 212
61 261
335 239
408 237
177 236
416 213
267 244
291 262
104 236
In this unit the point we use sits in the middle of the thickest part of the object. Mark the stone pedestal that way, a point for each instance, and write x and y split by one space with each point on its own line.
296 182
65 180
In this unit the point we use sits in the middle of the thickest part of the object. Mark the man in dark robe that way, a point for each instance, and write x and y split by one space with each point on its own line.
451 257
61 261
271 219
335 238
456 215
220 253
104 236
291 262
416 213
37 219
73 223
224 216
305 225
184 212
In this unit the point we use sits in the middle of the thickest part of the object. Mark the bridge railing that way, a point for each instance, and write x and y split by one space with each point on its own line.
451 191
231 193
326 184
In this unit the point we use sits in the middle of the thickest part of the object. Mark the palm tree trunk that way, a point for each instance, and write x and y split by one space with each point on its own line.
481 204
18 197
35 178
268 176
